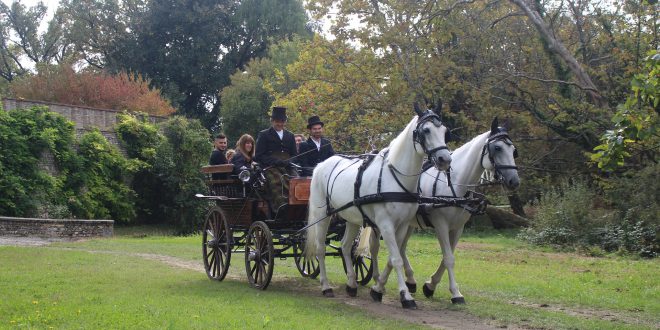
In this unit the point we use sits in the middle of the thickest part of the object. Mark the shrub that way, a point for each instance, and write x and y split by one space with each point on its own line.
121 92
90 182
563 216
167 185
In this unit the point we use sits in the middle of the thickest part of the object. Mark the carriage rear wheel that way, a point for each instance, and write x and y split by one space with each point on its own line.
259 250
216 246
308 267
362 266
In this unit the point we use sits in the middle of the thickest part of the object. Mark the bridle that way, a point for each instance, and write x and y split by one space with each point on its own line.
500 136
419 136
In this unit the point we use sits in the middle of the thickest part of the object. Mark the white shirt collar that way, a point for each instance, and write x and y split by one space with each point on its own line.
280 134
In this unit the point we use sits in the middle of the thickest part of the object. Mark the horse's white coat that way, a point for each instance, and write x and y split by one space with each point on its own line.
392 218
467 168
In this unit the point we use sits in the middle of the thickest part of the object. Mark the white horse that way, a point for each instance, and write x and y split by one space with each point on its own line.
394 171
492 151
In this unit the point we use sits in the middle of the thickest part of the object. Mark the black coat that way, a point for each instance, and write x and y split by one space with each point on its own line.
218 158
270 148
311 156
239 161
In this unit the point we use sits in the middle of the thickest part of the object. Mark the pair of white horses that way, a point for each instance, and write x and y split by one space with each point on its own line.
333 185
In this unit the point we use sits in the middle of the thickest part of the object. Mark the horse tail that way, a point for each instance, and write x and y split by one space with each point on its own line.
364 244
317 218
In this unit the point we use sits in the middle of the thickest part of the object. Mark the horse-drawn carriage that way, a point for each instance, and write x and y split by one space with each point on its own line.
243 221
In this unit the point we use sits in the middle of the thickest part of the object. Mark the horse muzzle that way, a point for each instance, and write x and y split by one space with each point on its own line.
441 159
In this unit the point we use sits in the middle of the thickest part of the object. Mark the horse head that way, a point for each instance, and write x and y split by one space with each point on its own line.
432 136
501 156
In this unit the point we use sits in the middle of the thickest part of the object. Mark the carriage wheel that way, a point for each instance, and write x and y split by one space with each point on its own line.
306 266
362 266
259 261
216 246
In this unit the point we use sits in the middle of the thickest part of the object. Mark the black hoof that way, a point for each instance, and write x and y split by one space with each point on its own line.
407 304
351 291
328 293
458 301
428 293
412 287
375 295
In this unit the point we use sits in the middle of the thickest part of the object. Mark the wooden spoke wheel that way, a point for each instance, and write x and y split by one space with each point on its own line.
362 266
259 250
308 267
216 246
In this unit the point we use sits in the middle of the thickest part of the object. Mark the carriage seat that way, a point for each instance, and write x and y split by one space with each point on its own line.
232 187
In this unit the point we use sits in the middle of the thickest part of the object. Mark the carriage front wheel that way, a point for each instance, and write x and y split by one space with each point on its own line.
216 245
259 250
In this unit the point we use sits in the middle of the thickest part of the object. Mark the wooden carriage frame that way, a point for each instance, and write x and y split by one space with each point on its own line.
241 221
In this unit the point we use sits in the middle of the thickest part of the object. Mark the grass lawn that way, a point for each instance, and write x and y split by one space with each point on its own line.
505 281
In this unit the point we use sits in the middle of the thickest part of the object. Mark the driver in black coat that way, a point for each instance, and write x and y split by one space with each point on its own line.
317 148
275 150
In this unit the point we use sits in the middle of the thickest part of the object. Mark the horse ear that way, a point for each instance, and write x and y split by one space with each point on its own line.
494 127
438 107
417 110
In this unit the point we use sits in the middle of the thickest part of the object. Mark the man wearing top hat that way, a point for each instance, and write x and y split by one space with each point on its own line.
275 150
316 149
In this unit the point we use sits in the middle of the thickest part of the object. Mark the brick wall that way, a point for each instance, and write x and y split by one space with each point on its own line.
55 228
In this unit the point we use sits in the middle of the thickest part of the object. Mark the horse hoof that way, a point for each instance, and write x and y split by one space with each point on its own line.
412 287
407 304
352 292
428 293
458 301
328 293
375 295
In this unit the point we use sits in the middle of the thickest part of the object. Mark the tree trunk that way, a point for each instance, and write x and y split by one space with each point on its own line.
559 48
502 219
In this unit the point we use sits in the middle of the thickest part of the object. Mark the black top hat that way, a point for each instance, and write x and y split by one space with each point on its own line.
314 120
279 113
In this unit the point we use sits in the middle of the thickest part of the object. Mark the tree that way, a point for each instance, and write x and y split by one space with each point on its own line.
246 102
23 45
187 48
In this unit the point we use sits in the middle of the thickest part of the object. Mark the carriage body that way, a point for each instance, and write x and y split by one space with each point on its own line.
240 220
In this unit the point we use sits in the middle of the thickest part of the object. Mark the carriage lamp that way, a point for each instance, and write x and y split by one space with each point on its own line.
244 175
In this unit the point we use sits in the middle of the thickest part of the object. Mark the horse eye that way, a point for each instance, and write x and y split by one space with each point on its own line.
426 130
498 148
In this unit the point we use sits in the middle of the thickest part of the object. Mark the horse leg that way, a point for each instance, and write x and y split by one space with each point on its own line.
350 233
395 259
410 279
320 233
374 248
456 296
410 274
441 232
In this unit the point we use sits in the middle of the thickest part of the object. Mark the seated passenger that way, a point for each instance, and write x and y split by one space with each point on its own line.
244 153
218 155
230 153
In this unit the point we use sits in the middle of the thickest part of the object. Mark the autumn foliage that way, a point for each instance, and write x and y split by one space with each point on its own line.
61 84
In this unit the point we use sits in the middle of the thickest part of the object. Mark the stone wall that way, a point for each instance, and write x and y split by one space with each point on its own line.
55 228
85 118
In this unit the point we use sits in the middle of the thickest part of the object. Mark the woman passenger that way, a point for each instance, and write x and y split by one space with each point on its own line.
244 153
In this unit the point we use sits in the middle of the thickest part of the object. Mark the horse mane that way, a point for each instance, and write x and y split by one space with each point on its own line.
397 145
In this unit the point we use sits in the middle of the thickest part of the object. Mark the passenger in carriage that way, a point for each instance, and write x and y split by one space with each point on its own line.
275 151
244 153
299 139
218 156
317 148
